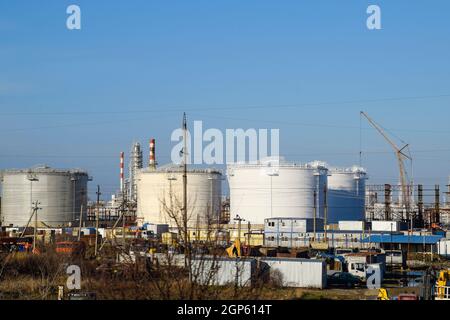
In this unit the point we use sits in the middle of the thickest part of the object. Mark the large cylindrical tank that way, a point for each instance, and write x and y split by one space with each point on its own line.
160 195
269 190
60 195
346 194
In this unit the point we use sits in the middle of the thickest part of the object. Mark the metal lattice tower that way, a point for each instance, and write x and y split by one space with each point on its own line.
136 163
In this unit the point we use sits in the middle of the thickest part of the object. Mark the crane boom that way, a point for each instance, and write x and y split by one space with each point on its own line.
401 157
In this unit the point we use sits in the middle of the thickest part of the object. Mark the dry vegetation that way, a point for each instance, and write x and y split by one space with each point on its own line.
37 277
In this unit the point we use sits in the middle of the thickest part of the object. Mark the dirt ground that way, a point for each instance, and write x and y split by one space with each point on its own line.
28 288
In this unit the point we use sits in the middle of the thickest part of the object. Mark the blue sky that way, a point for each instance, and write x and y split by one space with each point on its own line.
78 98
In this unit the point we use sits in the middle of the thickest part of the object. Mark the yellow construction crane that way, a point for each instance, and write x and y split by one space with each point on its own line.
401 158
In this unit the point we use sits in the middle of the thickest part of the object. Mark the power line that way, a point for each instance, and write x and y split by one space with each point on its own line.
210 108
319 125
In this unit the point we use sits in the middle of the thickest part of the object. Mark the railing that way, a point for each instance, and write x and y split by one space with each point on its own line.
442 293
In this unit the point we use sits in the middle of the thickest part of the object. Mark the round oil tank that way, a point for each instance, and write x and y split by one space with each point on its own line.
346 194
60 195
160 196
279 189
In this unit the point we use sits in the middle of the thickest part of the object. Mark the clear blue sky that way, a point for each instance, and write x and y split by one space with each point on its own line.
78 98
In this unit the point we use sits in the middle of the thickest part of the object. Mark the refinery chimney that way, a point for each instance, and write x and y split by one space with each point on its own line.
152 159
122 178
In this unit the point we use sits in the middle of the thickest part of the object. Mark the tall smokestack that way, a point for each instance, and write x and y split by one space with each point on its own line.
122 179
152 160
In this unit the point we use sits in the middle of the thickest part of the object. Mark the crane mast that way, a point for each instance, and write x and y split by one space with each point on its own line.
401 158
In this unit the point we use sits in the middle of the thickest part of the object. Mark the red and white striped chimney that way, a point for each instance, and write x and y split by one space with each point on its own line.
122 179
152 160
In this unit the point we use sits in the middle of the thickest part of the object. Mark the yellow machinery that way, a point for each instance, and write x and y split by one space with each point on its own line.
169 238
443 284
383 295
235 249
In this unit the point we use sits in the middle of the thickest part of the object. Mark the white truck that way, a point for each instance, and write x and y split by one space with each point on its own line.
358 264
395 258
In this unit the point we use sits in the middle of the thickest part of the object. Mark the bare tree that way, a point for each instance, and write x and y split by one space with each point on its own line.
203 256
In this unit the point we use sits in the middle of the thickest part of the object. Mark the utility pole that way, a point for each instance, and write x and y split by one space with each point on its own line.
120 217
35 228
315 215
35 210
325 209
239 220
32 178
81 222
249 230
97 213
187 259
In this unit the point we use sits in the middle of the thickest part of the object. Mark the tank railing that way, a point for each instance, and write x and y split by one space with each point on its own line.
180 170
281 165
47 170
442 293
348 170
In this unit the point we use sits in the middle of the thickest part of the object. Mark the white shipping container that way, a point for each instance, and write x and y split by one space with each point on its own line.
102 232
165 259
351 225
295 225
223 271
157 229
386 226
299 273
88 231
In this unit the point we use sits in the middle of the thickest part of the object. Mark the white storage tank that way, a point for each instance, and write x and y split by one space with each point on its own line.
346 194
269 189
60 193
160 195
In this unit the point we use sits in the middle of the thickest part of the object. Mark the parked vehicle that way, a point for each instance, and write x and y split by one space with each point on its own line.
415 283
343 279
383 295
342 252
407 297
71 247
358 264
395 258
